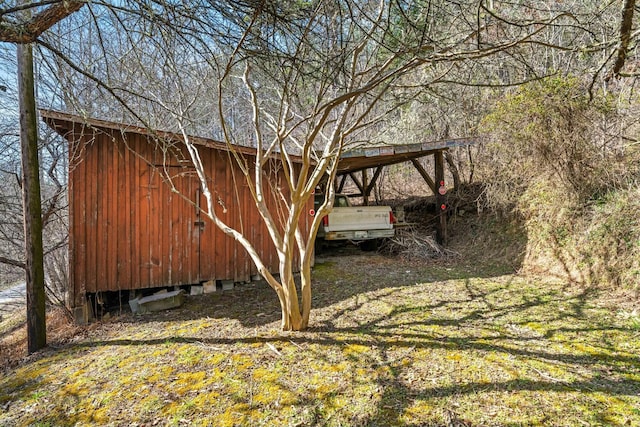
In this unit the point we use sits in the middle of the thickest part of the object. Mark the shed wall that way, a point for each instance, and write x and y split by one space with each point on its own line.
129 230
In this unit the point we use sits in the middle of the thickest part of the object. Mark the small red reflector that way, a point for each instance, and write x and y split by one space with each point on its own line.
325 221
441 183
443 206
312 212
392 219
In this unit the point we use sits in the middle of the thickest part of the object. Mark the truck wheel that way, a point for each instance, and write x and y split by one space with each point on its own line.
369 245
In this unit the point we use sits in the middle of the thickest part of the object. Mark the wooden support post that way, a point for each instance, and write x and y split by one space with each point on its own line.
365 185
425 175
374 178
441 223
340 186
357 182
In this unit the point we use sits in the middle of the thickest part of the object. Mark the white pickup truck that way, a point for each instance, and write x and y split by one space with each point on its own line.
356 223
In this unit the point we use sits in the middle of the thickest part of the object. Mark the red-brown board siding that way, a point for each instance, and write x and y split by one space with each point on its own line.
128 230
91 240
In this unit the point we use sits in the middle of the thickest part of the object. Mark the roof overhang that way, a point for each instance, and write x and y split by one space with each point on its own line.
65 123
355 160
352 160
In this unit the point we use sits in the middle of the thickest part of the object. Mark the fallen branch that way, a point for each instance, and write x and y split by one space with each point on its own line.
412 243
274 349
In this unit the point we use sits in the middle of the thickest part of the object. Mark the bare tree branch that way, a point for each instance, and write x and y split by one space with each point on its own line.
29 31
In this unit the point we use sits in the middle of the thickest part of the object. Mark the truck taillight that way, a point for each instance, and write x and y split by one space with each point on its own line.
392 218
325 221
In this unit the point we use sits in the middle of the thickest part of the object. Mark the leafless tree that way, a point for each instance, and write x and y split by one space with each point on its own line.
308 79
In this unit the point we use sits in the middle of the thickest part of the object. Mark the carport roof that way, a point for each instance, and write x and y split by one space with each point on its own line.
352 160
369 157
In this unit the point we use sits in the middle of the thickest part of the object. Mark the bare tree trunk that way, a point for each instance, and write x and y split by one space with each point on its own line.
36 323
292 318
626 26
305 286
453 168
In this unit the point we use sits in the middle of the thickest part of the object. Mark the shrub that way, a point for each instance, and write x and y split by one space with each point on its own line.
551 130
558 164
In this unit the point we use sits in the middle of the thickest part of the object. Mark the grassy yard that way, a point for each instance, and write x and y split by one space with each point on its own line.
391 344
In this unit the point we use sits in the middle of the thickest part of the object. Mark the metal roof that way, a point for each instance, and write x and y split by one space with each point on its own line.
352 160
64 122
369 157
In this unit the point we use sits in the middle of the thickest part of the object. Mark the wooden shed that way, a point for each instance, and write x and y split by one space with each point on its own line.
128 230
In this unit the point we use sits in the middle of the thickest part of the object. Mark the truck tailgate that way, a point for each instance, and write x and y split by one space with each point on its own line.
359 218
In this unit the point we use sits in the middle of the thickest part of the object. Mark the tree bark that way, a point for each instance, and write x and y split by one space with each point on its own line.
39 23
625 37
453 168
305 287
36 324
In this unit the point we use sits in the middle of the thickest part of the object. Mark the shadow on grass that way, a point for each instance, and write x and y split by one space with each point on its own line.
337 277
386 331
392 337
472 315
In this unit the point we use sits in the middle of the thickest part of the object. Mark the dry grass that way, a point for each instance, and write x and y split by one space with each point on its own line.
391 344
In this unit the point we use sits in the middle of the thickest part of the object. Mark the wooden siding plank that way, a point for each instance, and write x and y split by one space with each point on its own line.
236 216
112 219
160 222
204 237
101 232
92 211
169 243
121 256
134 201
246 205
207 263
222 191
127 278
166 234
185 222
165 228
231 216
179 234
245 202
185 212
155 221
201 237
194 235
115 209
142 218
